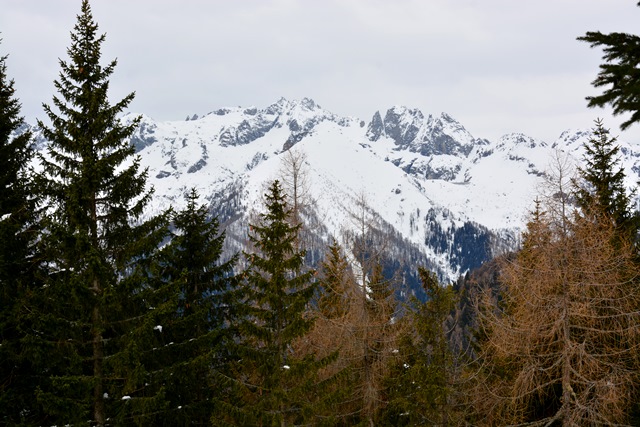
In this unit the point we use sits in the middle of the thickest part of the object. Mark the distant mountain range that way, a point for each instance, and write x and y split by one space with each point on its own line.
444 198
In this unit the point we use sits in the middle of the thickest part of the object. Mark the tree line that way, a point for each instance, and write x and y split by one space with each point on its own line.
111 317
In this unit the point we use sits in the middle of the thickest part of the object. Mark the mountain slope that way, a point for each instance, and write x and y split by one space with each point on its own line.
449 200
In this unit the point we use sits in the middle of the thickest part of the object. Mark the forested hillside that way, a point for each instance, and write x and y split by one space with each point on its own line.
120 308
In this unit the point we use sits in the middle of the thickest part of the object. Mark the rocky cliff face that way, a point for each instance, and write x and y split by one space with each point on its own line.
430 136
441 145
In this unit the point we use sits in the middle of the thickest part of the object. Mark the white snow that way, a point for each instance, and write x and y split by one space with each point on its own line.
494 185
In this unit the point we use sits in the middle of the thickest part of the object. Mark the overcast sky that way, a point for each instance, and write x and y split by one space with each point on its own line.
497 66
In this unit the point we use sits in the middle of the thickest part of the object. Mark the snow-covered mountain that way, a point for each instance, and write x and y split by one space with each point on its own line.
448 199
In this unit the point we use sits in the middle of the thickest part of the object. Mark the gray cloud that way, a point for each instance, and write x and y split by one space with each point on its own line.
496 65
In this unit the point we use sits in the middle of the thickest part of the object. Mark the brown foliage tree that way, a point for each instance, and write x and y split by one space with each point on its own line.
357 316
561 348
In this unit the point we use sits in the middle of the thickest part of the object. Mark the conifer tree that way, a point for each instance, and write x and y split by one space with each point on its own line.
619 74
336 284
333 336
272 383
359 320
359 309
374 315
562 349
378 339
18 264
187 336
95 237
422 379
602 189
602 186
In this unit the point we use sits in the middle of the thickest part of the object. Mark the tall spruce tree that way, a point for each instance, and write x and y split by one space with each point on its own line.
187 337
17 262
273 384
421 386
94 239
336 284
619 74
602 186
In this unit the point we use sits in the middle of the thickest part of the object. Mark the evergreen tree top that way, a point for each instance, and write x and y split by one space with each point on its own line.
86 117
89 146
15 150
619 73
274 233
276 204
9 105
603 188
275 379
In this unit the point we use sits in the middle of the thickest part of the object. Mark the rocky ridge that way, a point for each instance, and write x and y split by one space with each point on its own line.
449 199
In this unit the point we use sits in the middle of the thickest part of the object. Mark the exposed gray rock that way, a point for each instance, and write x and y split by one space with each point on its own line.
411 131
144 136
376 127
402 126
197 166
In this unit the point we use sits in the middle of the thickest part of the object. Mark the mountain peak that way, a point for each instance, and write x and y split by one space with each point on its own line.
405 113
284 105
376 127
447 118
573 138
517 139
309 104
410 130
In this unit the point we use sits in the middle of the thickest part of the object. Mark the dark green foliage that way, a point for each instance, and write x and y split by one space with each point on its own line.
619 74
376 337
273 385
96 196
468 246
421 381
187 336
464 324
602 189
18 262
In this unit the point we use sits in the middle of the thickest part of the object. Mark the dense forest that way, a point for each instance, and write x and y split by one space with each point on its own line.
111 317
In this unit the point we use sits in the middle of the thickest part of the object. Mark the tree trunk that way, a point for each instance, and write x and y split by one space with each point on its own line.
98 358
566 356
